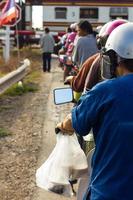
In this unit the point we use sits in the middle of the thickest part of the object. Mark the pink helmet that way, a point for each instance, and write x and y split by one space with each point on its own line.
114 24
106 31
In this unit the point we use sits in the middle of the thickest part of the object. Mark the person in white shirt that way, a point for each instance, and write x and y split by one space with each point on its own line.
47 44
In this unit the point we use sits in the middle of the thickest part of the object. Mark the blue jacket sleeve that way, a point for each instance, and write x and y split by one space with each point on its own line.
85 114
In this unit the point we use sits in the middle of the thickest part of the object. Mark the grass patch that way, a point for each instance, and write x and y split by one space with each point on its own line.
31 81
4 132
17 90
5 107
1 74
34 76
30 84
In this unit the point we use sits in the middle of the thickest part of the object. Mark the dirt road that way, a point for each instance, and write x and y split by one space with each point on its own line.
31 119
54 114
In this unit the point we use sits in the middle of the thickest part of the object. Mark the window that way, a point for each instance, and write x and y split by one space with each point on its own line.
89 13
60 13
35 2
119 12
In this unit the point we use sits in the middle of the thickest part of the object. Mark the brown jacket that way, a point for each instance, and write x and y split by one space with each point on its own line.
78 81
94 74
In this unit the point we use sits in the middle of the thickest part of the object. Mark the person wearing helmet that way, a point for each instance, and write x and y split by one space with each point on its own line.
71 38
108 109
92 70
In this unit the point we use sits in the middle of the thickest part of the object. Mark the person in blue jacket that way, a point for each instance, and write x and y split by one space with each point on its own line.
108 110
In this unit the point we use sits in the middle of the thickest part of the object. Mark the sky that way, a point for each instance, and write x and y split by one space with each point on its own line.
19 1
37 15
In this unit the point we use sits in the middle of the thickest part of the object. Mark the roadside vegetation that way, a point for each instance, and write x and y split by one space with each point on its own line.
34 55
30 82
4 132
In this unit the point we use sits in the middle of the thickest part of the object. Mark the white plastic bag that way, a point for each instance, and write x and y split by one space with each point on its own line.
43 179
66 161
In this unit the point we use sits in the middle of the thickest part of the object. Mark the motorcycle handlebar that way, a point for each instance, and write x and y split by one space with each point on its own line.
66 82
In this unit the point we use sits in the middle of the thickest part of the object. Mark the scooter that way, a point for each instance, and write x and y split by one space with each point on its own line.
60 97
67 65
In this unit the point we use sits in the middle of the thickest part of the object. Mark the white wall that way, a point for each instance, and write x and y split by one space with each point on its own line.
28 13
130 14
37 17
49 14
57 28
73 13
104 14
28 17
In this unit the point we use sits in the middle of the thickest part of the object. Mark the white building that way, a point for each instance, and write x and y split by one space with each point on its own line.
59 14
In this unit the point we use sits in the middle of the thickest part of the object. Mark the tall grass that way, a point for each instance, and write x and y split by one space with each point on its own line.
14 62
30 81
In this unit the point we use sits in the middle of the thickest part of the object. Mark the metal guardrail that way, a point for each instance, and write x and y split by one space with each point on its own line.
14 76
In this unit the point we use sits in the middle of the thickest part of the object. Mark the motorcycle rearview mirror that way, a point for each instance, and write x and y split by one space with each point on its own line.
63 95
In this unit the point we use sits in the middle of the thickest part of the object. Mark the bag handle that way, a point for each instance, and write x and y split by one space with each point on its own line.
57 130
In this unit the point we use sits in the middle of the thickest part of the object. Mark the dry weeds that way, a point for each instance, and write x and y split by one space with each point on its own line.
34 55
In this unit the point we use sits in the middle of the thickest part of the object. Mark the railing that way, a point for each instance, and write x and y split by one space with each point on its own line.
14 76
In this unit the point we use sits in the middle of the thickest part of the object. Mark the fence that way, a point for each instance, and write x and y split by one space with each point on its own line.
14 76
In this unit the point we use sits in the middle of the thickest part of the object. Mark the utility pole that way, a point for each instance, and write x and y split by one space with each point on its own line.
6 50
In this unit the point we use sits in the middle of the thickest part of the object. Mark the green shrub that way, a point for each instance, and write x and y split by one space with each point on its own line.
16 90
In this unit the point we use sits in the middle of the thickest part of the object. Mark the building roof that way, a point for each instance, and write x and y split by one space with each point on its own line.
91 1
83 2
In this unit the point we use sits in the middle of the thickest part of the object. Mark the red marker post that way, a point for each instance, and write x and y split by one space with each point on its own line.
6 7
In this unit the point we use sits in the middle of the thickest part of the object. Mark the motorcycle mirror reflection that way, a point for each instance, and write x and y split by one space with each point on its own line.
63 95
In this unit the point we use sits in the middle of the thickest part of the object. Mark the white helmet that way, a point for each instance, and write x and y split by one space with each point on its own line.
101 37
98 29
73 26
103 29
121 41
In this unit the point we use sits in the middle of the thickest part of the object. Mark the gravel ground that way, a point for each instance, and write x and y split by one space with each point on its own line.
21 152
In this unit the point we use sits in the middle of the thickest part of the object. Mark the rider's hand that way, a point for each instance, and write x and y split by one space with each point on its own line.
66 126
68 80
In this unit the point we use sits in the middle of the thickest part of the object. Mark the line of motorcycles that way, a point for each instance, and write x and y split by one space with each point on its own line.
60 97
65 62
